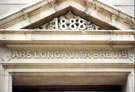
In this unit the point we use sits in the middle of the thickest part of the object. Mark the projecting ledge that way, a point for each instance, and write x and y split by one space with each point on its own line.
73 65
42 36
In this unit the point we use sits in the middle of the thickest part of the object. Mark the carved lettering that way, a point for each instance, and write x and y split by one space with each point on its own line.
70 22
96 54
124 54
22 54
69 54
28 54
15 54
102 54
108 54
36 54
43 54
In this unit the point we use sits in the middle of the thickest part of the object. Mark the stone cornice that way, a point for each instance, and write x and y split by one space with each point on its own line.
53 37
65 31
40 65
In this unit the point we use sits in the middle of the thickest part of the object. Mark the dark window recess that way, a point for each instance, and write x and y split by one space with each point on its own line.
68 88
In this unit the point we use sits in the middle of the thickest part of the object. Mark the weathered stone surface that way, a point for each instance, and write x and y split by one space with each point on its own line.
81 55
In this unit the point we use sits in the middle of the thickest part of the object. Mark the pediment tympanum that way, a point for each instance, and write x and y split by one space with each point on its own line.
69 22
40 13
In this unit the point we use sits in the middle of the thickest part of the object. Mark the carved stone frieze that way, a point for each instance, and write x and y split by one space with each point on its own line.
72 53
60 54
69 22
67 53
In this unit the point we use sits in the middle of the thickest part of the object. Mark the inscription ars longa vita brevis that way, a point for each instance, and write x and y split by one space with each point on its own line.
69 54
69 22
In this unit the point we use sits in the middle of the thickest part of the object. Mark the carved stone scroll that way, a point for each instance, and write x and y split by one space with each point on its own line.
5 54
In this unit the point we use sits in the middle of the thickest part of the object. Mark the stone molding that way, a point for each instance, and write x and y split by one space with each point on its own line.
111 37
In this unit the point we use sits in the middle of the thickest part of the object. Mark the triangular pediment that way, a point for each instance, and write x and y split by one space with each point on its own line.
43 13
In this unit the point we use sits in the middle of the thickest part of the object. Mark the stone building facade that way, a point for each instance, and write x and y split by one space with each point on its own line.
79 43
